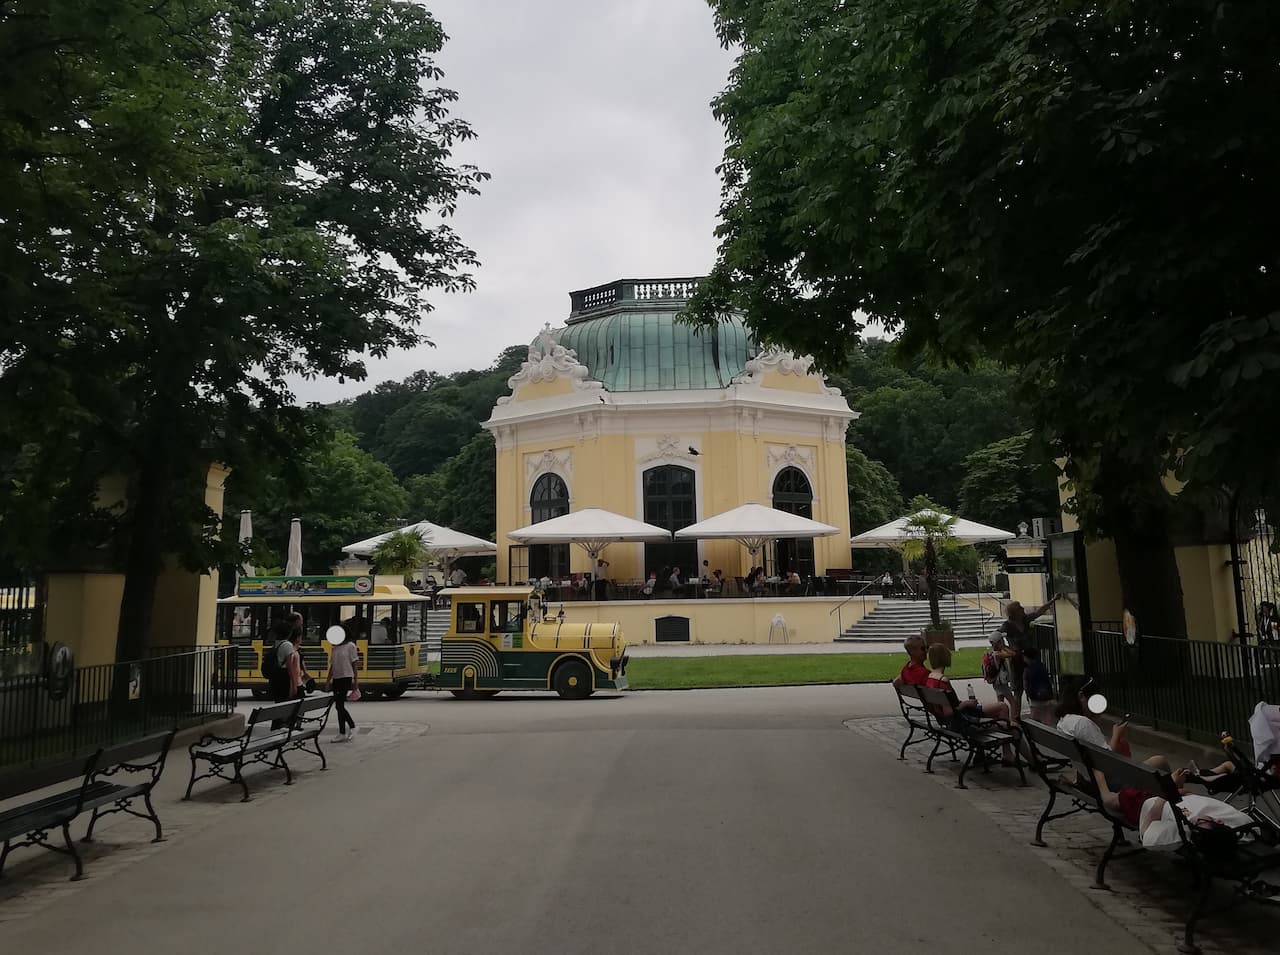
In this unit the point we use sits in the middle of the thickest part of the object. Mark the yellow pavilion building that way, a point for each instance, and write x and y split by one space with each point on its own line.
628 409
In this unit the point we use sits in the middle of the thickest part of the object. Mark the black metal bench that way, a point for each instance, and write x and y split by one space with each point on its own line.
1056 758
297 731
916 716
1251 855
98 793
983 739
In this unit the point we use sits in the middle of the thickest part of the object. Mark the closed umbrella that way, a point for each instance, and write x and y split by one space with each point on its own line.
293 568
246 536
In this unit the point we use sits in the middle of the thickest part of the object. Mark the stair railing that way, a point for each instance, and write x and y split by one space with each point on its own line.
862 592
986 617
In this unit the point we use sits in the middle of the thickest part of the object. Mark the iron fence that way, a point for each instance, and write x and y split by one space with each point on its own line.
54 713
1193 687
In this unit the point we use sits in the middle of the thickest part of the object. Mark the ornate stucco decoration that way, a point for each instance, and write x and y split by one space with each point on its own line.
779 458
561 463
773 358
549 360
670 447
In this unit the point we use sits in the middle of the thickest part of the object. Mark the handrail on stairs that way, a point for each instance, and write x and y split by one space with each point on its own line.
862 592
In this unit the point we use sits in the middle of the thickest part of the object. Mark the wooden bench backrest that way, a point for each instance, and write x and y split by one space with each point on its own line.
276 711
1048 742
908 698
130 752
1123 771
313 703
19 782
937 702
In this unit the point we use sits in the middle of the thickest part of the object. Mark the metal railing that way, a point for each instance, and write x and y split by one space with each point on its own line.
861 592
51 714
1192 687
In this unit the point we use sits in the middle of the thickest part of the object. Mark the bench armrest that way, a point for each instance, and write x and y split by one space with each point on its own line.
208 738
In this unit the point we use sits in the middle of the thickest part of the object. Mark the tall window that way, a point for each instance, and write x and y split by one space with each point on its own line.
792 493
669 502
549 498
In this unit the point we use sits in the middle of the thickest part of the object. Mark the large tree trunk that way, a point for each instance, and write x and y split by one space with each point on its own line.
153 492
1150 584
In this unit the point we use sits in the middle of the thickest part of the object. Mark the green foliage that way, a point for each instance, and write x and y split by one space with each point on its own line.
200 201
1004 483
874 496
1000 173
403 552
341 493
922 418
467 490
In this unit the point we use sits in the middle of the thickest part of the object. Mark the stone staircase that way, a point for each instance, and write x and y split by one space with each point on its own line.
437 626
892 621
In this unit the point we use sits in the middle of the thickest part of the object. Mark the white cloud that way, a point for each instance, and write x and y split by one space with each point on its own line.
593 117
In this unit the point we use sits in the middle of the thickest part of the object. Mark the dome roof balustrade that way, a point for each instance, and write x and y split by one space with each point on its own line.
628 335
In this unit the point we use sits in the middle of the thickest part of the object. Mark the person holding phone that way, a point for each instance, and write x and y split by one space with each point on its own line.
1077 720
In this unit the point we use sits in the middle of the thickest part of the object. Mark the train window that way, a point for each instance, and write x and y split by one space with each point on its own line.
506 616
470 617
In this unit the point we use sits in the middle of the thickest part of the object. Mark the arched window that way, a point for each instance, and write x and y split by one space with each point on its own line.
549 498
669 502
793 493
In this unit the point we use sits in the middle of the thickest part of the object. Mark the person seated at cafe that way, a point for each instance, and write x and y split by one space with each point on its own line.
914 672
650 585
758 582
677 582
716 584
794 583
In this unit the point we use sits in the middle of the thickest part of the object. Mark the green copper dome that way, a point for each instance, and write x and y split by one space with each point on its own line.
627 335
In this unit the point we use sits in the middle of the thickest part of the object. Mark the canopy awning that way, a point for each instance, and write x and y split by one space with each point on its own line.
442 540
592 528
896 533
753 525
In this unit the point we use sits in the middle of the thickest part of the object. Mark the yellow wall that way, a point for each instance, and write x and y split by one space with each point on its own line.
731 620
1208 591
84 609
731 470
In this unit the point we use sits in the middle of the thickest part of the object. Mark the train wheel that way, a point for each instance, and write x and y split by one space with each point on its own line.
572 680
394 692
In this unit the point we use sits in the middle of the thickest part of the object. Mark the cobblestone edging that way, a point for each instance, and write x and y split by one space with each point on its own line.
34 879
1150 893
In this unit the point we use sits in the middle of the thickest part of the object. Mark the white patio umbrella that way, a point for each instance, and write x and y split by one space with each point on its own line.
293 567
896 533
246 535
444 541
754 525
592 528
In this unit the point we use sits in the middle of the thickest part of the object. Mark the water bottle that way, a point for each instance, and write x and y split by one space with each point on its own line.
972 699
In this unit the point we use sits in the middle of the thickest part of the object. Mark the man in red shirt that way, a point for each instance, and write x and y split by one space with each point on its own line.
915 673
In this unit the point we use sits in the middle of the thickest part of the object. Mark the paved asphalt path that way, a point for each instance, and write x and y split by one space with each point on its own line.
735 821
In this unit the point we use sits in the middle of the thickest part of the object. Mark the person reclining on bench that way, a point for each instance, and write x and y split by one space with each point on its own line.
1153 816
970 711
1076 720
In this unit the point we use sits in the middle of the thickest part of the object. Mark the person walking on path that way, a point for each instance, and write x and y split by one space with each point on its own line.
344 661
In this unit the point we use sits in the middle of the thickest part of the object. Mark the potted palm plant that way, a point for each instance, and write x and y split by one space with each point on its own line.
931 534
402 553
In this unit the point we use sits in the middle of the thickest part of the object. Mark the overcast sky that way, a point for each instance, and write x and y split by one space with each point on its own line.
593 116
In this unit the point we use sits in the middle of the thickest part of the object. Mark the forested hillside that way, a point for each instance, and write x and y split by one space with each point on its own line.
414 450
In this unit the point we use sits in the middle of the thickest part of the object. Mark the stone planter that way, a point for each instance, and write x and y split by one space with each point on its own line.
945 636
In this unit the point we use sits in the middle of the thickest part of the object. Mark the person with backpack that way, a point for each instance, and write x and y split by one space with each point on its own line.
275 664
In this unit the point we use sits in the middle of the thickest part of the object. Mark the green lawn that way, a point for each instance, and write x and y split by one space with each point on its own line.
684 673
